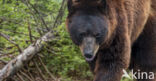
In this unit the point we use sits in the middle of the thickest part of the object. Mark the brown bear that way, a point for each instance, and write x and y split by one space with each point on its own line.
114 35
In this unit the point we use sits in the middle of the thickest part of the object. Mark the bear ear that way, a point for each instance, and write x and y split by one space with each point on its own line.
99 1
75 2
102 5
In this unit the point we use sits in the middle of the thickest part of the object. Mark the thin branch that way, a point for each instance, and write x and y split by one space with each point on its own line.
39 70
20 77
6 54
15 32
29 73
60 14
29 29
35 17
46 68
37 11
39 31
8 38
24 74
5 62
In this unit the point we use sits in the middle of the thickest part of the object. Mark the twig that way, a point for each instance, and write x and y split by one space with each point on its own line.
29 72
26 76
20 77
39 70
7 38
30 35
31 75
39 31
14 78
5 62
37 11
46 68
20 33
60 14
6 54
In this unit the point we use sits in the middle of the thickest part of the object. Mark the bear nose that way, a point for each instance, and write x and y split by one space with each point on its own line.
88 55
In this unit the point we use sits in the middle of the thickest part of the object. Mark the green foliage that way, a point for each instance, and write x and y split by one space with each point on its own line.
15 17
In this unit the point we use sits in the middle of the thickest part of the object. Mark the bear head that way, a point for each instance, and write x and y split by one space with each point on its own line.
87 25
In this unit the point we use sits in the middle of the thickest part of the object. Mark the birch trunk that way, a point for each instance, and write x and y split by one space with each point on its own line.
16 64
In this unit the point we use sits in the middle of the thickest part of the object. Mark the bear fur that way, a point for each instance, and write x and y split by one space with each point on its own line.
129 40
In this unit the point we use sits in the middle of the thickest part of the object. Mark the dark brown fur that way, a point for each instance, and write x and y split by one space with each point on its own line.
131 39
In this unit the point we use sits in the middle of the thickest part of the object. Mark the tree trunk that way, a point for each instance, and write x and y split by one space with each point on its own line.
16 64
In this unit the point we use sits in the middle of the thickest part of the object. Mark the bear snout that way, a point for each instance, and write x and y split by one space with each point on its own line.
89 48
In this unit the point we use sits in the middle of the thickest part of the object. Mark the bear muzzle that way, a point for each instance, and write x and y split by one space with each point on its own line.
89 48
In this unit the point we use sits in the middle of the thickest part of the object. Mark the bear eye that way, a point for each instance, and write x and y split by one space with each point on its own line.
82 35
98 35
76 1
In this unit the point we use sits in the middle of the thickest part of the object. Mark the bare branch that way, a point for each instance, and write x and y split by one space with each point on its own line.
8 38
29 29
24 74
36 11
28 72
6 54
46 69
60 14
39 70
5 62
20 77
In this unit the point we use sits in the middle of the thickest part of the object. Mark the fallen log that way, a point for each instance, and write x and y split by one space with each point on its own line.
16 64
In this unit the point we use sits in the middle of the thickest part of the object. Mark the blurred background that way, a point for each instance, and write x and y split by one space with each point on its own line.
22 22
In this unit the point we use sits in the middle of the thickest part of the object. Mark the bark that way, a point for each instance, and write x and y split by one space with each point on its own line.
16 64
